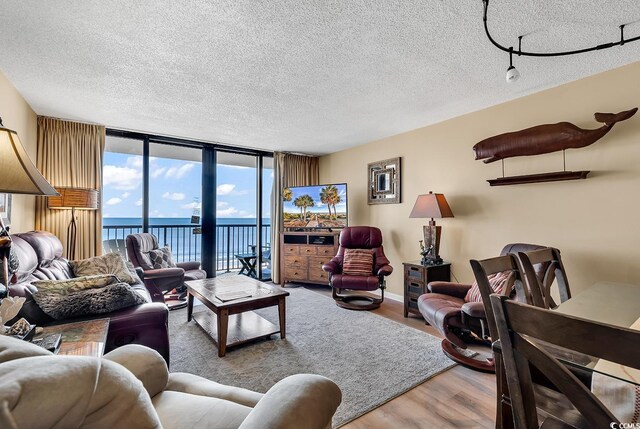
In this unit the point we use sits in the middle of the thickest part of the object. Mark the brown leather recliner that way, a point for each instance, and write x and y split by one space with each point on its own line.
359 237
461 322
161 280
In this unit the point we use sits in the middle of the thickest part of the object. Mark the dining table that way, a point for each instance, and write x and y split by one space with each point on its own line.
617 386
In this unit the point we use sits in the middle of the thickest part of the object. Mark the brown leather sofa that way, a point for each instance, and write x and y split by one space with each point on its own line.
40 256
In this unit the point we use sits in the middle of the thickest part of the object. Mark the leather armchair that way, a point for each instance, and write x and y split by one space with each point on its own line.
40 256
162 280
359 237
461 322
132 388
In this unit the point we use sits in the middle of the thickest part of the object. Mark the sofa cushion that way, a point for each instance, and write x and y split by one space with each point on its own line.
358 262
60 304
497 281
64 287
178 410
161 258
72 392
110 263
27 258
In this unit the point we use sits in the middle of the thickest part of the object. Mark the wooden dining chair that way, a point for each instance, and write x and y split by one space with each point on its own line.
511 288
520 327
539 286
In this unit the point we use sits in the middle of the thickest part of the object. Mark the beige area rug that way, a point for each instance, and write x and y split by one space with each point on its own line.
371 358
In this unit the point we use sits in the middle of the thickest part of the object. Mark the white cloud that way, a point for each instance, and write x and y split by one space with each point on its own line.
191 206
139 202
223 209
173 196
157 213
227 212
237 167
156 171
125 195
121 178
134 162
113 201
179 172
225 189
229 189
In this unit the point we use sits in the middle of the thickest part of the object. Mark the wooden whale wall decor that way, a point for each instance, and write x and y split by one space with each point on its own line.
545 139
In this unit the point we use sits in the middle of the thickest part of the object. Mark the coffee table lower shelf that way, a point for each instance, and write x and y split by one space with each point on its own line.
242 327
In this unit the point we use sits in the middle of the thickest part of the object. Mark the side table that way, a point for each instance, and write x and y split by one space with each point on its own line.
416 278
86 338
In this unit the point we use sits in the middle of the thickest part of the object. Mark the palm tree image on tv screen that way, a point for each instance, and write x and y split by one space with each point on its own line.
323 206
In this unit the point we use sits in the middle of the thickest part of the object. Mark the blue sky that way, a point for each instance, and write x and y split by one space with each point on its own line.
314 192
175 188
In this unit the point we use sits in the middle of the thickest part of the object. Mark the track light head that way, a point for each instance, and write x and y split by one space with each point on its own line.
512 74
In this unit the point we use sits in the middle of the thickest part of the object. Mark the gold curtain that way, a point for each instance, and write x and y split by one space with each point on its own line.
70 154
288 170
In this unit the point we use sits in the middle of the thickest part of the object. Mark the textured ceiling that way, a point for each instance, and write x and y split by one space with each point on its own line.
311 76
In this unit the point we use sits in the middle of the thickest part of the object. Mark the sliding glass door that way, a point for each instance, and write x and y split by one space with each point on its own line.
240 193
122 191
204 202
175 195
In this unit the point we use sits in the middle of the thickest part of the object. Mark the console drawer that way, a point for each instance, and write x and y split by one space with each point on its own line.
308 250
318 276
326 251
416 288
295 261
414 274
295 273
289 249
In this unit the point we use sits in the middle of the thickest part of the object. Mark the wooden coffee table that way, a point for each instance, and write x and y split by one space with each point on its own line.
234 321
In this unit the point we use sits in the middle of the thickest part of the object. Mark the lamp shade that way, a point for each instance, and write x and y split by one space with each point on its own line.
74 198
18 175
431 206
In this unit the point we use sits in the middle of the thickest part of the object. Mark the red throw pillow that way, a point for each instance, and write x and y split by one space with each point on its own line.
497 282
358 262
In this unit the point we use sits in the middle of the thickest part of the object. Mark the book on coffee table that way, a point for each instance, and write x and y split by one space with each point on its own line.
233 295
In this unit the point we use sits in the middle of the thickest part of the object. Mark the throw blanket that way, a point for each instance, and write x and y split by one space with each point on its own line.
66 303
622 398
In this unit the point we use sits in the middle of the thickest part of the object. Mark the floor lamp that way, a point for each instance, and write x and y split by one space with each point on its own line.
18 175
73 198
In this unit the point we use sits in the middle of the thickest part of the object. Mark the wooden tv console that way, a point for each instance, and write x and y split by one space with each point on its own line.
303 254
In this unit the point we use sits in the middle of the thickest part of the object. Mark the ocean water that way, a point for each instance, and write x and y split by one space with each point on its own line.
233 236
113 221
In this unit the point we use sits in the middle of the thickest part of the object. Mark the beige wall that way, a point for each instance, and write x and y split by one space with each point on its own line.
17 115
594 222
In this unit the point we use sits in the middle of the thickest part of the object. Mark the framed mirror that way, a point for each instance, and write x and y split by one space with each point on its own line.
384 182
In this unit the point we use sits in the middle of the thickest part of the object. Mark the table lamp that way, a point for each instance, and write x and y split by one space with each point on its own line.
431 206
18 175
73 198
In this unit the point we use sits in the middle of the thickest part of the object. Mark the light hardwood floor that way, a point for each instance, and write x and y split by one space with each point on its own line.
457 398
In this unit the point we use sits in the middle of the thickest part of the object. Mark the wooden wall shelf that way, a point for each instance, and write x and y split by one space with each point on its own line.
538 178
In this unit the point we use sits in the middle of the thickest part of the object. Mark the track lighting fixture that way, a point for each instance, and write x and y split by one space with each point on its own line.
512 72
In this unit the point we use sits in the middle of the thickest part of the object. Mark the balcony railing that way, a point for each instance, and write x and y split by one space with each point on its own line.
185 240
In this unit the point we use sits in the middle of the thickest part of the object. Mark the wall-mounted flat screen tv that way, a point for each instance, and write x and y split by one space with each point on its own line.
322 206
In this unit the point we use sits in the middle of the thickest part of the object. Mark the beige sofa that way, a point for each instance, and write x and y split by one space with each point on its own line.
130 387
